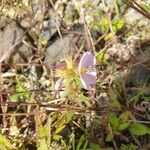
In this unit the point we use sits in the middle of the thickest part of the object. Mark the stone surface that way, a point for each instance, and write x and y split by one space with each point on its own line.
120 52
39 8
71 14
49 28
58 51
140 76
10 35
139 23
36 16
144 54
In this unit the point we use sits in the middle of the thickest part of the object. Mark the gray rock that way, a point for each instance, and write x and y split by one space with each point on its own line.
49 28
135 18
120 52
145 53
39 8
9 36
139 76
58 51
36 15
26 22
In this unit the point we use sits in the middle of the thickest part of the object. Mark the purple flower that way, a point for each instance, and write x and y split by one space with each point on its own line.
87 71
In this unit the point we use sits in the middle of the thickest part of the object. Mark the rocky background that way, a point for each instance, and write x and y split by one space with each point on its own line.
37 108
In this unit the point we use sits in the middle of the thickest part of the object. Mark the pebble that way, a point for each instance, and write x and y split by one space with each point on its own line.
9 36
58 51
139 76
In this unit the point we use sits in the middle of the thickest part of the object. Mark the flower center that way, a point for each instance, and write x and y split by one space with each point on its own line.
86 69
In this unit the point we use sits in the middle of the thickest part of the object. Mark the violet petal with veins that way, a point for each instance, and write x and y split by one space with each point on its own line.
88 78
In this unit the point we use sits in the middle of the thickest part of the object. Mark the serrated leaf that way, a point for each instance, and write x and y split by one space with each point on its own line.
138 129
118 25
123 126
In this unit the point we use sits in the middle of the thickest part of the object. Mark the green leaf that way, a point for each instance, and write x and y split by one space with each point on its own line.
102 57
124 117
84 99
113 99
42 132
123 126
128 147
5 143
48 128
110 135
78 81
82 141
109 36
120 24
43 42
95 146
21 93
57 137
68 84
148 130
138 129
14 97
42 145
69 116
85 145
33 35
103 24
72 140
42 135
59 129
117 25
114 121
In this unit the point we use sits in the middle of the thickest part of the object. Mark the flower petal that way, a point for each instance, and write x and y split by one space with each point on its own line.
87 60
87 78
